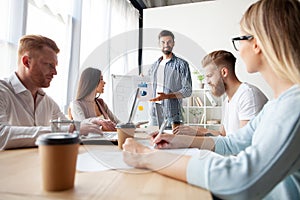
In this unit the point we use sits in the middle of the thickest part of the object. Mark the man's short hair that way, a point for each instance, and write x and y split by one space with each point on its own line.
220 58
166 33
35 42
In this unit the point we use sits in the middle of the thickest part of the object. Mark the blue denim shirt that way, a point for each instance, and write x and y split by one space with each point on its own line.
177 78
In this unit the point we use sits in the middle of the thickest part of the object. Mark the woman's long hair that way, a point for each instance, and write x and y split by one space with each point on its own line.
89 80
276 24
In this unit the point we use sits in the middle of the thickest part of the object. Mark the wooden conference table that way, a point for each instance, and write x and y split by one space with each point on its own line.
20 178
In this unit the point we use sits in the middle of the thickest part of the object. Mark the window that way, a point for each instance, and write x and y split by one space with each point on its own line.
42 21
105 28
8 35
78 27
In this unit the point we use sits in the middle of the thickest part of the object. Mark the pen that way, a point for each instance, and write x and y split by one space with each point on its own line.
161 130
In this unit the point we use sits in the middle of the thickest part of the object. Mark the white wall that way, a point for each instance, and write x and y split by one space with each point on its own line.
199 28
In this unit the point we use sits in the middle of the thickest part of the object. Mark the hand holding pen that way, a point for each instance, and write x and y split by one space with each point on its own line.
161 130
167 141
170 141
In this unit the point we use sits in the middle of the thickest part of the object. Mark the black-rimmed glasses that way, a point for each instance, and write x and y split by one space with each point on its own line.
236 40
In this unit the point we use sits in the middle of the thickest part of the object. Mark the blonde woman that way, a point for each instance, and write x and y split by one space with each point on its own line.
88 104
262 159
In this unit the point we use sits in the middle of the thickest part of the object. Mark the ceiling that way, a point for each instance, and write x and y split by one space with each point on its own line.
159 3
144 4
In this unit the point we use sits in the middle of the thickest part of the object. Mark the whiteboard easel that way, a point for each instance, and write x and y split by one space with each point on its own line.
124 88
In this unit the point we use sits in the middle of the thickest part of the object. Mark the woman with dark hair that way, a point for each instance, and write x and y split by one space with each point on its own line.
88 104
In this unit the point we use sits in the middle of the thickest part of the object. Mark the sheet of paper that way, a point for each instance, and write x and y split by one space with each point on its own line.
87 163
105 136
100 160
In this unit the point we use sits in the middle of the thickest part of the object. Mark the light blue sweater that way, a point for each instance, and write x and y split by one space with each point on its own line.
261 160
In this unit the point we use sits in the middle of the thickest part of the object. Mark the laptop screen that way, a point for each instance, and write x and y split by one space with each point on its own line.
159 114
134 106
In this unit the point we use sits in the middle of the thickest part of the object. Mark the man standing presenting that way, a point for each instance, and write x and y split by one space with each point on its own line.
172 81
25 109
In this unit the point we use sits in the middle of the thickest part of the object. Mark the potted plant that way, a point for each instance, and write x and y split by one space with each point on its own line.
196 115
200 78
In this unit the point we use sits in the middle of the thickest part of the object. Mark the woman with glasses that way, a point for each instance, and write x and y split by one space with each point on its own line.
262 159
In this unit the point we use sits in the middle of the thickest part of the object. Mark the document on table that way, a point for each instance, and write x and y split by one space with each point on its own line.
100 160
109 136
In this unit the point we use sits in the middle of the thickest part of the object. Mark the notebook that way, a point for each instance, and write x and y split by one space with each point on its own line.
108 138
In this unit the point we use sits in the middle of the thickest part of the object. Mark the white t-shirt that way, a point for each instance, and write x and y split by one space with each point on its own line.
245 104
160 76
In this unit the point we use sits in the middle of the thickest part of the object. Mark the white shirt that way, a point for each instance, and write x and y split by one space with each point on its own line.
20 122
245 104
160 75
78 113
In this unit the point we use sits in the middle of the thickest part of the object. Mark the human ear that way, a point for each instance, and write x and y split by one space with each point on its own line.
25 61
256 46
224 72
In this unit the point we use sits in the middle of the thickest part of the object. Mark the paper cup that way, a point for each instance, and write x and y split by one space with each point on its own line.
58 154
175 124
124 131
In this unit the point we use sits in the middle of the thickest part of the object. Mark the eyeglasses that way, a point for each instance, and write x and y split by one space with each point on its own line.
236 40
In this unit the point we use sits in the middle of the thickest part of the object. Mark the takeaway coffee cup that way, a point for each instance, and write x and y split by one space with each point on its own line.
58 155
175 124
124 131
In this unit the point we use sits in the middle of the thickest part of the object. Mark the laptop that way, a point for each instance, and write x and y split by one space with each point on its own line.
162 122
159 114
110 137
134 106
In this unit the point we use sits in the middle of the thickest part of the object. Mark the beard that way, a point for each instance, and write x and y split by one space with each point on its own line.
167 52
218 89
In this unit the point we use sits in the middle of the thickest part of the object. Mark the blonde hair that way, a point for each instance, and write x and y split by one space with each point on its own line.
275 24
89 80
33 43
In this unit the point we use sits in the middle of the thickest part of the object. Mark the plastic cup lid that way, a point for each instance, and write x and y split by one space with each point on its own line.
125 125
57 139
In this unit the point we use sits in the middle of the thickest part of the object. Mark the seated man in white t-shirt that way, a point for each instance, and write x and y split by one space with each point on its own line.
243 101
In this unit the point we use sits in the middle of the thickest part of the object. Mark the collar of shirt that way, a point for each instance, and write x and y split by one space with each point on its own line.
19 87
161 58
